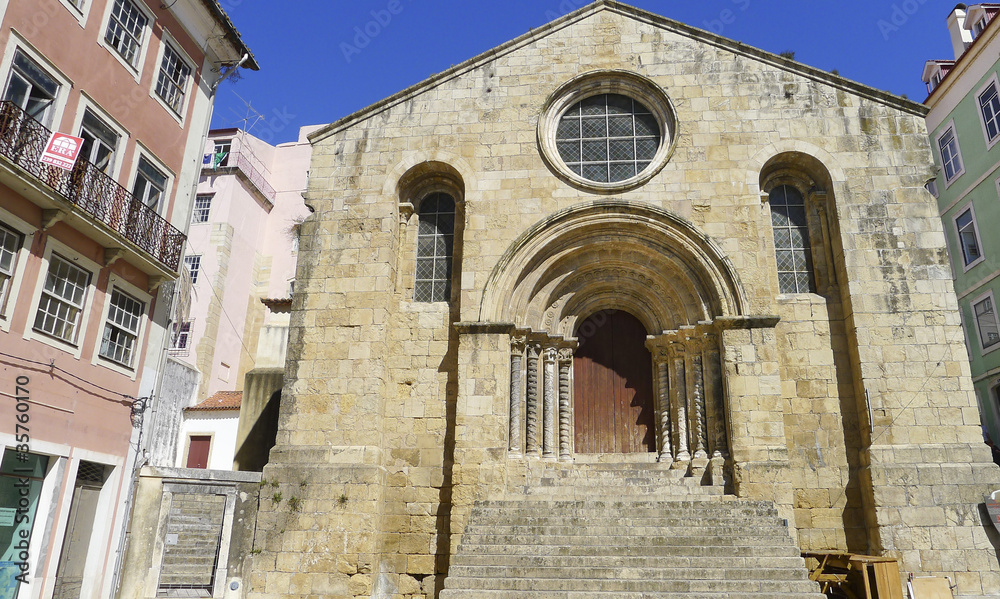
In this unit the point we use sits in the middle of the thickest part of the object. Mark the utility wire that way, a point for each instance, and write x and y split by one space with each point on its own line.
222 308
52 365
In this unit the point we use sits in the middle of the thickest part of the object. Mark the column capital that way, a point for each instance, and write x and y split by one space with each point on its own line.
517 343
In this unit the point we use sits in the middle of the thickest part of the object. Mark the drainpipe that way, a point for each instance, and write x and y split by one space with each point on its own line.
142 457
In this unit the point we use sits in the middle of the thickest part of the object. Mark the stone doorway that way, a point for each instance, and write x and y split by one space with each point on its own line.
613 386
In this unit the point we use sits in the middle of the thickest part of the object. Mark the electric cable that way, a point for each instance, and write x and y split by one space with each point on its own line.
52 365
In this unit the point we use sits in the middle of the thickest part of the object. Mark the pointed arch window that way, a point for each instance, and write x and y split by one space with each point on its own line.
791 240
435 244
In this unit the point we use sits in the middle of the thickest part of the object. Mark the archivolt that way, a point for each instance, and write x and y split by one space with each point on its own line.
609 254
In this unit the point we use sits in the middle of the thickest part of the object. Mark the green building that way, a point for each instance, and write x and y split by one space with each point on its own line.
964 123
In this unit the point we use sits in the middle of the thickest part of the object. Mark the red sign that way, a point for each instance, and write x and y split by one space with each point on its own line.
61 150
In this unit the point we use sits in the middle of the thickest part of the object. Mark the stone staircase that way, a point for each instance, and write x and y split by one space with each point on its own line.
632 531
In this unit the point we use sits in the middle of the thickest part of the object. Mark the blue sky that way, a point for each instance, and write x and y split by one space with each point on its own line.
324 59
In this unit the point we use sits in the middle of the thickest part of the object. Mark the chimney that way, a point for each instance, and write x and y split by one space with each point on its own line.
960 36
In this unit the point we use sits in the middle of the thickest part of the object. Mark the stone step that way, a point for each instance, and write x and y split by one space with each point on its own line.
638 508
599 529
584 562
621 520
606 491
621 573
761 551
631 585
638 541
634 531
499 594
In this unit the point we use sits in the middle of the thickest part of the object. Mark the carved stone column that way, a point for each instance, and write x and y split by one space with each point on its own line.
659 349
679 400
565 417
549 404
531 397
516 358
700 420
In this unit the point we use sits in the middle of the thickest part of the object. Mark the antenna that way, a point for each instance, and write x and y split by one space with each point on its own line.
252 118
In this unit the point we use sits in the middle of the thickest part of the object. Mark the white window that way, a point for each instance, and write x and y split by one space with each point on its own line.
220 153
150 185
171 84
100 142
126 28
979 27
181 338
62 300
121 330
987 324
968 237
10 245
193 264
989 108
935 81
31 88
951 158
202 208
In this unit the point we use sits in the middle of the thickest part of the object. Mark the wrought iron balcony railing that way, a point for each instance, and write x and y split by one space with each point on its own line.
22 141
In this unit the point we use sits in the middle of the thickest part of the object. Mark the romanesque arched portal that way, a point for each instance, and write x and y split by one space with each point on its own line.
665 279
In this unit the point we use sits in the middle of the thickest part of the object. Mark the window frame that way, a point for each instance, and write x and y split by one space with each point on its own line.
80 12
596 83
449 259
207 212
582 139
224 163
87 103
68 254
810 267
171 43
968 265
995 82
164 201
17 43
117 285
140 56
987 296
9 296
183 329
950 127
197 270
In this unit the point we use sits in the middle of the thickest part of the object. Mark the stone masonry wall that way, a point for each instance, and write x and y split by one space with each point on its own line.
393 420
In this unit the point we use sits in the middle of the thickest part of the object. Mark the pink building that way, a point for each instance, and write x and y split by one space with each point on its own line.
88 256
242 250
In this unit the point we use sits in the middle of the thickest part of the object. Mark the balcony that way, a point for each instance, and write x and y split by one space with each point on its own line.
91 193
243 164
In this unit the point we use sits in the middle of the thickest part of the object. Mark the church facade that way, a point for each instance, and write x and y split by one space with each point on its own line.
620 239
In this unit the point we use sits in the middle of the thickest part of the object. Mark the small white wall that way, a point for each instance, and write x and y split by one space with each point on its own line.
222 426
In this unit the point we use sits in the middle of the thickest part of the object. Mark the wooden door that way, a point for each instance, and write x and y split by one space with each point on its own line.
198 451
613 386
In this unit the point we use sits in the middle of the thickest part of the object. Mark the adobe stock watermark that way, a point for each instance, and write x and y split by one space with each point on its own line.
726 17
364 34
900 16
267 127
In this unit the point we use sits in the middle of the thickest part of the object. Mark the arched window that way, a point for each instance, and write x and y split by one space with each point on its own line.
791 240
435 242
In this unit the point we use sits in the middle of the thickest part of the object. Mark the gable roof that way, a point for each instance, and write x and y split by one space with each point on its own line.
859 89
223 400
